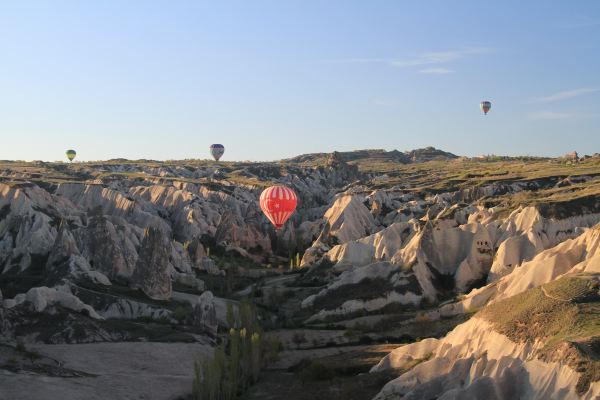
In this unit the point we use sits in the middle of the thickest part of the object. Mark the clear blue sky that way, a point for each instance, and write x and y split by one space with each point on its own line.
272 79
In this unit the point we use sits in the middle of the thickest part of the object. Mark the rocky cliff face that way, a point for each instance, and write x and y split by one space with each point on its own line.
152 273
105 249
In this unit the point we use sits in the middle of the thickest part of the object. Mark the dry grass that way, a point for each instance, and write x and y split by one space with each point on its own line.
564 315
421 178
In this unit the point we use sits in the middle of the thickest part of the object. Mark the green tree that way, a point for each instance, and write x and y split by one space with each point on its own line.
230 316
255 356
244 358
233 365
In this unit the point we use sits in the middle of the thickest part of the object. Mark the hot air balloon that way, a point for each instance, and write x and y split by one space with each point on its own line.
485 106
217 151
71 155
278 203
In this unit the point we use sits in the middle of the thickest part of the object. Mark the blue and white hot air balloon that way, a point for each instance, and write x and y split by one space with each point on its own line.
485 106
217 151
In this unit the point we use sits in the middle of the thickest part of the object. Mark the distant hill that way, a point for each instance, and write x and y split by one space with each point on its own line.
429 154
407 157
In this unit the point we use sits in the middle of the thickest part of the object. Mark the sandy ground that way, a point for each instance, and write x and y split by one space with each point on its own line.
135 370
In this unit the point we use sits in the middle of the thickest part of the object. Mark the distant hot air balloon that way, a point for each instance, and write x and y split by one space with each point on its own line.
278 203
217 151
71 155
485 106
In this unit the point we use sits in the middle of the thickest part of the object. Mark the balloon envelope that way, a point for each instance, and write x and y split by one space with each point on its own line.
71 154
485 106
278 203
217 151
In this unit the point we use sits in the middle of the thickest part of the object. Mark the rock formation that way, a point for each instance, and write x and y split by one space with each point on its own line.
490 356
101 245
152 272
204 314
429 154
133 251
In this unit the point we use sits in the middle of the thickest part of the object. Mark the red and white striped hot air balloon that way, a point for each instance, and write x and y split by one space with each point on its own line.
278 203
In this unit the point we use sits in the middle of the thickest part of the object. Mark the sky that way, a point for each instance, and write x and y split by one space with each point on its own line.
273 79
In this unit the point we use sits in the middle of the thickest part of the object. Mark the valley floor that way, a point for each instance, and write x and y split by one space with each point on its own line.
161 371
132 370
330 373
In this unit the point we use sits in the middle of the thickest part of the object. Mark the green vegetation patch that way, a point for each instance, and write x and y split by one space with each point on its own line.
580 289
564 315
367 289
349 363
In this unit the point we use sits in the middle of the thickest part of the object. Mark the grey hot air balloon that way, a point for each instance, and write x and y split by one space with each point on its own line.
217 151
485 106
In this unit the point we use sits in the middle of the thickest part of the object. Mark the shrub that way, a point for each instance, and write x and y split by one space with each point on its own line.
422 317
271 347
20 346
317 372
299 338
365 340
180 313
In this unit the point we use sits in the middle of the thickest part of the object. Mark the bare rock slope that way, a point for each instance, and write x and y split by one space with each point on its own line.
540 344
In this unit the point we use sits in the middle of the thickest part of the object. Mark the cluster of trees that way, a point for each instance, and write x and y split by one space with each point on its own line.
235 364
228 372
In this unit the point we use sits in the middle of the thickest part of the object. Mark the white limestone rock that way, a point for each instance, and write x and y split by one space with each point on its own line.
42 297
475 361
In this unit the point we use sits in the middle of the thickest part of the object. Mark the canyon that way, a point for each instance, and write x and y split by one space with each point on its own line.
401 275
